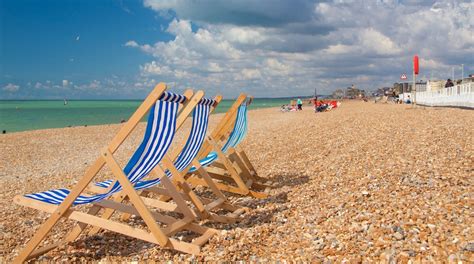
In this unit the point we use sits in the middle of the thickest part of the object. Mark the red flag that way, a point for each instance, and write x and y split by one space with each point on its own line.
416 67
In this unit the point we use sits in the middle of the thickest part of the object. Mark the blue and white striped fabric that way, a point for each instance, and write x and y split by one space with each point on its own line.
172 97
191 148
240 129
210 158
159 134
236 136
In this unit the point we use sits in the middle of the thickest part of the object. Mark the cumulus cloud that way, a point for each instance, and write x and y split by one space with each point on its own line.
153 68
278 48
11 88
248 74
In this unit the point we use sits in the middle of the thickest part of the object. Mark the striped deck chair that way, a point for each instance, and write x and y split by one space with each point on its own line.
60 203
229 164
204 207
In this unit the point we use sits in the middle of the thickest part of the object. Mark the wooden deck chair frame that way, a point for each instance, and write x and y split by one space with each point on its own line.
157 234
240 159
231 167
204 207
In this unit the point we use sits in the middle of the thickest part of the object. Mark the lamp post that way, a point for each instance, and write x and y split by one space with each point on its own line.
414 89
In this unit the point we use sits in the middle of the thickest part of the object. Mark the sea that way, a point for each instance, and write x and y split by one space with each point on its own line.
17 115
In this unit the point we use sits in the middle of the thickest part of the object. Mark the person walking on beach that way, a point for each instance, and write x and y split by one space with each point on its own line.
300 104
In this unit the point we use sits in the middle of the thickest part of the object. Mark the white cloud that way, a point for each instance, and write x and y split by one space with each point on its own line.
65 83
378 42
244 35
95 84
131 43
11 88
339 49
331 45
248 74
276 67
38 85
214 67
153 68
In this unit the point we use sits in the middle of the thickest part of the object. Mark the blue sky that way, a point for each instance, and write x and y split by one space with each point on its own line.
121 49
74 40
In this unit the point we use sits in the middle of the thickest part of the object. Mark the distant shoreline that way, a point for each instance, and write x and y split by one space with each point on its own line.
103 100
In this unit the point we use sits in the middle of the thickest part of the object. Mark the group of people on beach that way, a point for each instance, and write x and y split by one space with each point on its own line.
319 106
292 107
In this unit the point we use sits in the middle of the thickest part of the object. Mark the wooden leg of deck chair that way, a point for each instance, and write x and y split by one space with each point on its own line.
181 203
247 162
46 227
226 205
147 216
203 209
152 202
162 205
196 181
174 225
210 183
242 161
125 216
234 157
252 169
185 187
233 173
222 175
135 199
218 165
171 188
108 212
244 187
73 235
220 202
258 183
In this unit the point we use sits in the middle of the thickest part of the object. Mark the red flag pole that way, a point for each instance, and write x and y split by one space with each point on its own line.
416 68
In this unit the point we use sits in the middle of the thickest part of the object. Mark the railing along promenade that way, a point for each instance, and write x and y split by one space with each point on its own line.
461 95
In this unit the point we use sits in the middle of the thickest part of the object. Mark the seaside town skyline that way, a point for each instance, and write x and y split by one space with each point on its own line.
121 49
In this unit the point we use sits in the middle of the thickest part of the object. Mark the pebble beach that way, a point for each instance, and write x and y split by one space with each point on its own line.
362 183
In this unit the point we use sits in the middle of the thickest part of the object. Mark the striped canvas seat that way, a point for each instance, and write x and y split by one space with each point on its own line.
236 136
191 148
159 134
